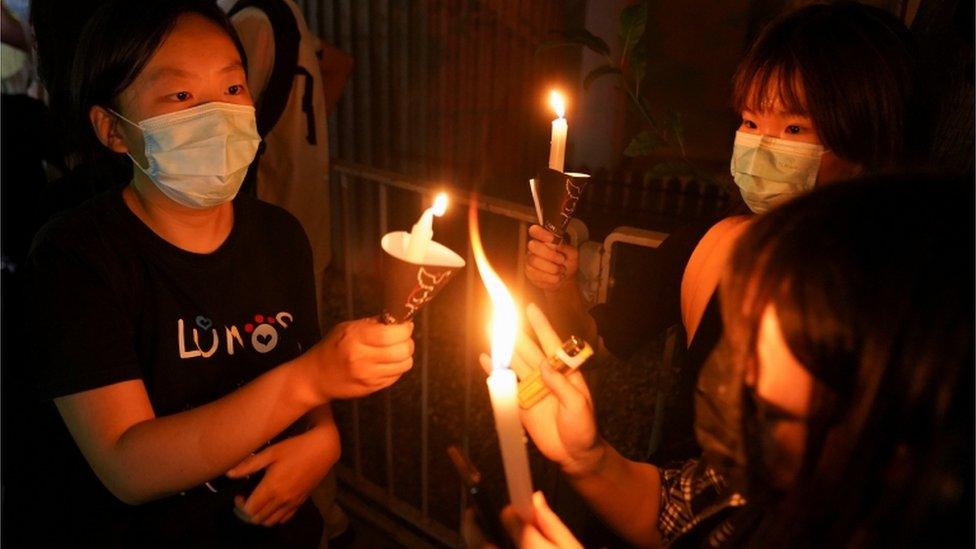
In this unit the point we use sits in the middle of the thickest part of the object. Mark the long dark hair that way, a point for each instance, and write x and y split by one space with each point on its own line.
848 66
115 45
872 282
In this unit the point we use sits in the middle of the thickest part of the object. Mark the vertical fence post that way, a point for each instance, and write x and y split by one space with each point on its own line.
424 413
350 305
420 516
381 192
469 355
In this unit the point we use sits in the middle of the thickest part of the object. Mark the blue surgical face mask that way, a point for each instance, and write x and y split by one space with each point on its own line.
198 157
769 170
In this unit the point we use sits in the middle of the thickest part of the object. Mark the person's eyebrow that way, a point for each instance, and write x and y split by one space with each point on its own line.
233 66
160 72
794 113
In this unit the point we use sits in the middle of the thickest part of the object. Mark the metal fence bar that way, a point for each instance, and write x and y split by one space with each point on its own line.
490 204
385 496
350 305
382 199
424 413
469 354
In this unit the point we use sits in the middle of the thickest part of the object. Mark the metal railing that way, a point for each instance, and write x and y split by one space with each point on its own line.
380 499
347 176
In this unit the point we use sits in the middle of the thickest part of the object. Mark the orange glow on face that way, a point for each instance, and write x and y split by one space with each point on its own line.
504 321
558 103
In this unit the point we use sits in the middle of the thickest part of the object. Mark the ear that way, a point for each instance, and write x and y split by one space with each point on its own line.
107 127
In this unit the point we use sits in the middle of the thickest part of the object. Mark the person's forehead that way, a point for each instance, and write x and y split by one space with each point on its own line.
769 94
180 53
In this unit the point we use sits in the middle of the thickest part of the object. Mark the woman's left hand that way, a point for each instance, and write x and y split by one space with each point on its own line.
293 467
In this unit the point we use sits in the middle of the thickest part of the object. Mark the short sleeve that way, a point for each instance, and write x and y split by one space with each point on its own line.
81 336
254 29
308 295
691 493
285 239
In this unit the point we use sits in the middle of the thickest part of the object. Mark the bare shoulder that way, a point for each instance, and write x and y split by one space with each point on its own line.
723 234
705 268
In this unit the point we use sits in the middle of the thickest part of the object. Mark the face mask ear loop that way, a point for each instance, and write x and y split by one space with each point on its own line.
127 153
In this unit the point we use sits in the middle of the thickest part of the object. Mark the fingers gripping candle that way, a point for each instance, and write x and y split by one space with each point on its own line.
502 383
423 230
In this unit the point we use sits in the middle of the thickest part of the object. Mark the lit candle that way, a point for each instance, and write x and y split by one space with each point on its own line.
423 230
557 146
502 384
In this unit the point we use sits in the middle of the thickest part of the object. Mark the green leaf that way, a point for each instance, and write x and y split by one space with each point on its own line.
637 65
643 143
674 120
585 38
633 20
551 44
596 73
676 127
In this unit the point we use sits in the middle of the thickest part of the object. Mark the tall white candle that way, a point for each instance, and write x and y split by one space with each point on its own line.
502 384
557 144
423 230
503 389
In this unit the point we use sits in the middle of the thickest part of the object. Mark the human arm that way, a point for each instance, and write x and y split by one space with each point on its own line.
625 494
335 67
140 457
293 467
552 268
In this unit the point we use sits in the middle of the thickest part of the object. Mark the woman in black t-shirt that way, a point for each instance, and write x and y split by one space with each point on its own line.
174 325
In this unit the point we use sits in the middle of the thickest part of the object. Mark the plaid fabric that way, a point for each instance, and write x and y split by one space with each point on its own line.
691 495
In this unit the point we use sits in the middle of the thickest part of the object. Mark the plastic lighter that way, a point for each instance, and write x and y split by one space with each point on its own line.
573 353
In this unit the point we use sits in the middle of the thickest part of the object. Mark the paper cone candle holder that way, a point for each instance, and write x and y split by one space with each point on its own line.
556 196
407 286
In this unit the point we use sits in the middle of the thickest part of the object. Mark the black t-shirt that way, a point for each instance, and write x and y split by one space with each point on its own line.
647 300
112 301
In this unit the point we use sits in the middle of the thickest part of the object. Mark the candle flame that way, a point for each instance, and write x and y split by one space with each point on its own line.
558 103
504 322
440 204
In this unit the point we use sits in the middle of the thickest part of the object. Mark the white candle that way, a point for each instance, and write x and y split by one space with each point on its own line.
503 389
502 384
423 230
557 144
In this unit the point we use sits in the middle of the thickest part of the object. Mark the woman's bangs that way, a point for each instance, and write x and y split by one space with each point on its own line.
771 86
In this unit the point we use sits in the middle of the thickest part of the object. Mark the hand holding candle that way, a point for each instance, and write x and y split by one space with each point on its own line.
562 425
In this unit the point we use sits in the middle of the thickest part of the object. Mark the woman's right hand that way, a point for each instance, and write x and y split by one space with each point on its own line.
549 265
563 424
362 356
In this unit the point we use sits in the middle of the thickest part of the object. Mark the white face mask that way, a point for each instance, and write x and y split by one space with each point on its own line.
198 157
769 170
